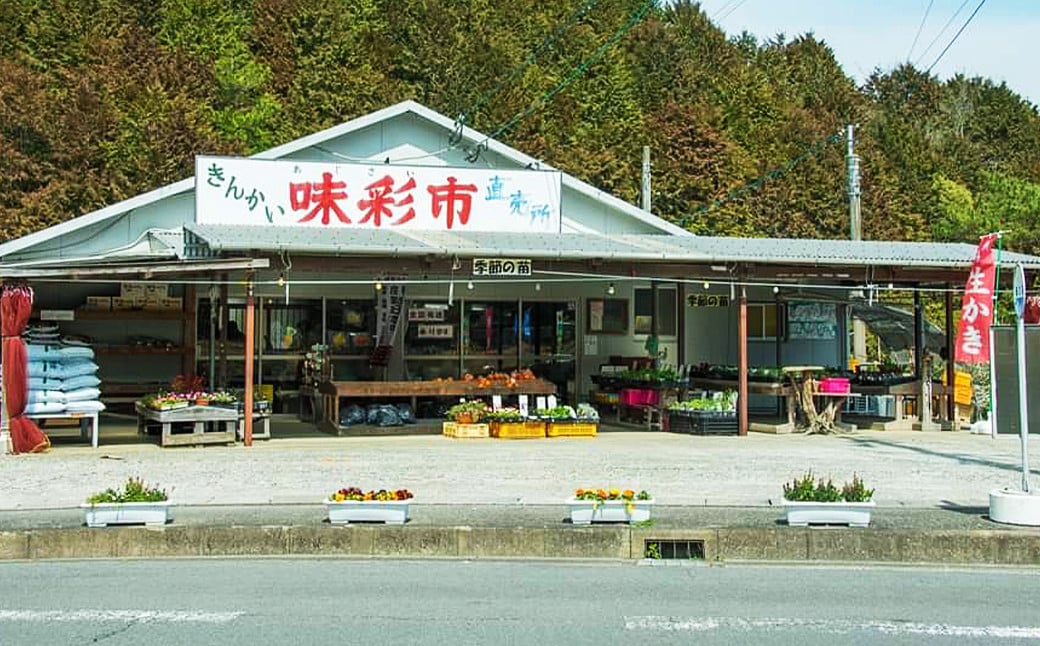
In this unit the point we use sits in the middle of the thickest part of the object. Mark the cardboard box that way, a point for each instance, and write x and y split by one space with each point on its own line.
156 290
152 303
132 290
124 303
171 303
98 303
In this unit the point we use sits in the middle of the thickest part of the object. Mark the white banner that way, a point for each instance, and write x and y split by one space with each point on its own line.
234 190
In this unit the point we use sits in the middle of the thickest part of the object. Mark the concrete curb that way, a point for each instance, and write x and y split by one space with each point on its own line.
719 545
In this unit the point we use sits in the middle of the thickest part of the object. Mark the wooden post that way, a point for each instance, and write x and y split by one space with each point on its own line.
742 365
247 432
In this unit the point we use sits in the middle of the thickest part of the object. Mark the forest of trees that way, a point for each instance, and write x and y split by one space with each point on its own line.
103 99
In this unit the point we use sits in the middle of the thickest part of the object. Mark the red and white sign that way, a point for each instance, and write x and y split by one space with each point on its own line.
234 190
977 306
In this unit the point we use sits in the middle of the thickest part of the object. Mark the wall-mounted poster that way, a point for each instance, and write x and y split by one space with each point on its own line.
808 320
607 316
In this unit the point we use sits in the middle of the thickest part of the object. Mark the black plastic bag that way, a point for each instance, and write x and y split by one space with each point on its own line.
351 415
404 412
386 415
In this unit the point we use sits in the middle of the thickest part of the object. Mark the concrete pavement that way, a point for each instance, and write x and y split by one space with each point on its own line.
504 498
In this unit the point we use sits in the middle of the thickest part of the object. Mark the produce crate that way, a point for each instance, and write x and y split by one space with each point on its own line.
571 429
448 429
471 431
640 397
517 430
701 422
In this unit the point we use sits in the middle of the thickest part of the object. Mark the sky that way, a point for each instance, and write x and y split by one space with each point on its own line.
1002 42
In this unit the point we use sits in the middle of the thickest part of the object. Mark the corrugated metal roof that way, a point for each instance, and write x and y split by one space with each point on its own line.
636 247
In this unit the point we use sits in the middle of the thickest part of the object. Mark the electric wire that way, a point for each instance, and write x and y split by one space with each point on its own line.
733 9
529 60
758 183
920 28
574 73
955 36
941 32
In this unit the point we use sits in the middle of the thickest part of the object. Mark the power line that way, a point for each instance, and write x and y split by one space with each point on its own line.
575 72
732 9
955 36
529 60
920 28
778 171
941 32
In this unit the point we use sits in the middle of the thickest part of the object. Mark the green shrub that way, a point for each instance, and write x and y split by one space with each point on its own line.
808 489
135 490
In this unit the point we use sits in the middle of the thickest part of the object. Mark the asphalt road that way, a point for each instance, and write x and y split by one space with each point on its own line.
334 601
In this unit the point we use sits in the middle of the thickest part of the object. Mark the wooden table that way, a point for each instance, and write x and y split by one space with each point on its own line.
209 424
333 391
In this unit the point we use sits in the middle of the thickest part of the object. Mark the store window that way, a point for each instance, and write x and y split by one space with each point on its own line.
667 298
765 320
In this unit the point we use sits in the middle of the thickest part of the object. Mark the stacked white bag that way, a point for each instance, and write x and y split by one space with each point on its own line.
62 378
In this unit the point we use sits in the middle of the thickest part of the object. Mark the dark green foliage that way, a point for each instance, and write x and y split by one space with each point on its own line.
808 489
101 100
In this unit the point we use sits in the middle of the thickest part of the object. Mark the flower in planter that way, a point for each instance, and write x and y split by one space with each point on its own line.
135 490
611 494
808 489
468 411
383 495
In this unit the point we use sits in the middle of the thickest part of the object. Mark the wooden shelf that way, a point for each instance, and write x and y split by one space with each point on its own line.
174 351
129 315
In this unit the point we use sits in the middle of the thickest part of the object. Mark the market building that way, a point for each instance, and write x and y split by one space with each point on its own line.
382 241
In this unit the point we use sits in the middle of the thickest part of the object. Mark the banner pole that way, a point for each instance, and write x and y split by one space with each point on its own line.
992 338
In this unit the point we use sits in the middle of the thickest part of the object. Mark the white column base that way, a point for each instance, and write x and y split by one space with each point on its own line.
5 443
1015 507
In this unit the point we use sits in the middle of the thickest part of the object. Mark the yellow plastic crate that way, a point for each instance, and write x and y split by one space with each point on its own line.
571 429
517 430
448 429
472 431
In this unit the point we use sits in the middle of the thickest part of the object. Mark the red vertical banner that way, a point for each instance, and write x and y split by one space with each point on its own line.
977 306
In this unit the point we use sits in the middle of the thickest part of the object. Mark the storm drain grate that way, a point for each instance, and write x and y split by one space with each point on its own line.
673 549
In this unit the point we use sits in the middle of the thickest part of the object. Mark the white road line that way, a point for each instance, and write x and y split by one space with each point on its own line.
140 616
703 624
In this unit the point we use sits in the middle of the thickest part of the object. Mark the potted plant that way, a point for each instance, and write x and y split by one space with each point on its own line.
136 503
609 506
468 412
811 502
704 415
351 504
223 399
509 423
565 421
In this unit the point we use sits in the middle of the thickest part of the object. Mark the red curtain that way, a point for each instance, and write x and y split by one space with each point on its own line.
15 308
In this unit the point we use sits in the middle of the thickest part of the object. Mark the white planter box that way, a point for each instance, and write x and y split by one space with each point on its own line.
853 514
126 513
584 512
391 512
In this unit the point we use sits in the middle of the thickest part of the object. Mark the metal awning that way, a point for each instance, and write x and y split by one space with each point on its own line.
211 239
116 271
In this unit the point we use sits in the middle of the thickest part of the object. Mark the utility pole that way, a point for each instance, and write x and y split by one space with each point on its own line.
646 179
859 329
852 171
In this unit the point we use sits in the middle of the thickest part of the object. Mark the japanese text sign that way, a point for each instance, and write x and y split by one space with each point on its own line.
977 306
501 267
232 190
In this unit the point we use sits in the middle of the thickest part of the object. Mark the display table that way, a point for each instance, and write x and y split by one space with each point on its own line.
900 392
775 388
206 424
332 391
